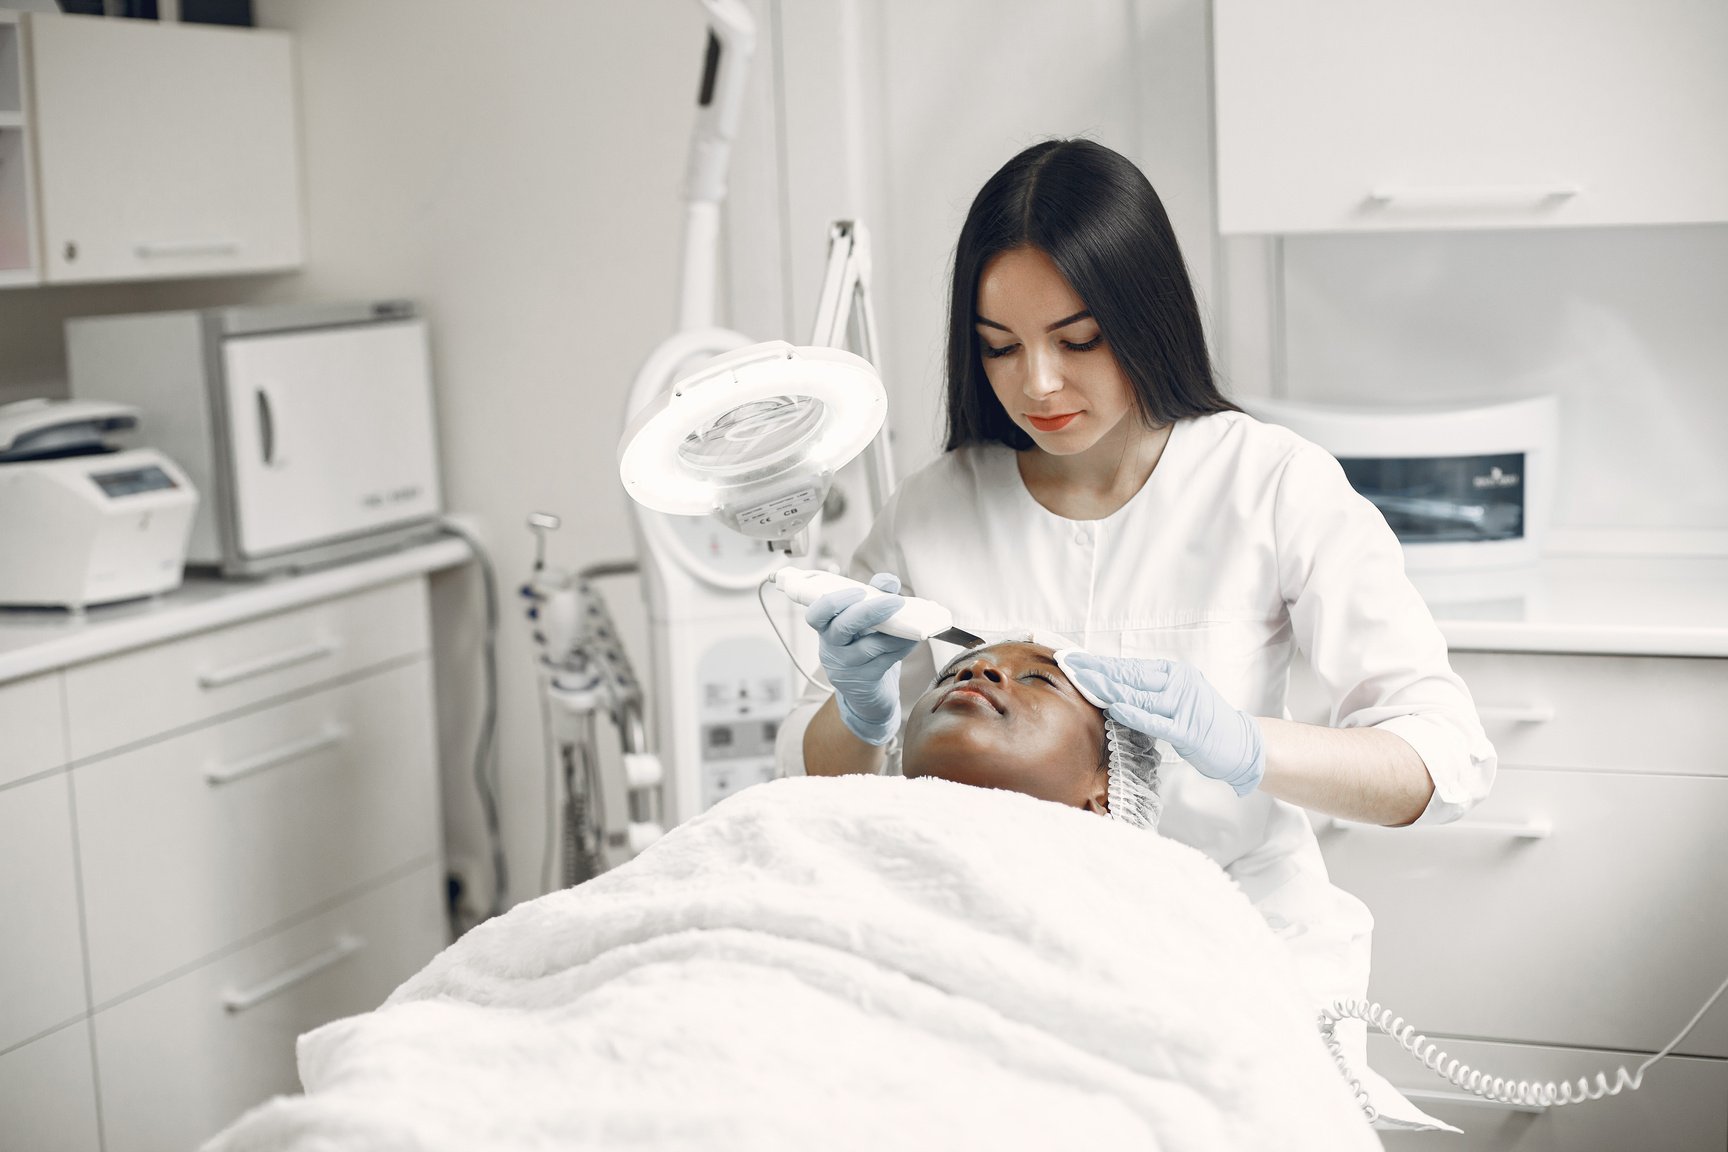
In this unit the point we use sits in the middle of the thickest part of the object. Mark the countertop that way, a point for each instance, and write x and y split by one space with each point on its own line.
1616 605
41 640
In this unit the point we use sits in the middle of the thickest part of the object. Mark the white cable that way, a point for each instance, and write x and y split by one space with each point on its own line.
1475 1081
762 600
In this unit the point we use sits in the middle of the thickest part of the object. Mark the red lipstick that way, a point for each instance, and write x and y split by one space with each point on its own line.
1051 423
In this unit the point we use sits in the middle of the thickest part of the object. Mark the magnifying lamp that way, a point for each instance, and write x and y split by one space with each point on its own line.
753 438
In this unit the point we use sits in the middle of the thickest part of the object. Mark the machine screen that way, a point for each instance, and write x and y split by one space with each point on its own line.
133 481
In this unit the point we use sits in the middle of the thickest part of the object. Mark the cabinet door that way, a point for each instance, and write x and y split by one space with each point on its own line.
1356 114
163 149
185 1058
41 957
248 823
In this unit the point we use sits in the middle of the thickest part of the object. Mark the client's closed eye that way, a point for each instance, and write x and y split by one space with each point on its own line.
1048 679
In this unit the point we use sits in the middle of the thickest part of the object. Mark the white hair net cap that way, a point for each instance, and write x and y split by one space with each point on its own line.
1135 795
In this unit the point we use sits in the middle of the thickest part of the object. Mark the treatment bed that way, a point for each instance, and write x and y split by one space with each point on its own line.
860 962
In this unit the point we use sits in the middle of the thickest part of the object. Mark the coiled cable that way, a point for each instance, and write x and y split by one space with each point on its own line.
1473 1080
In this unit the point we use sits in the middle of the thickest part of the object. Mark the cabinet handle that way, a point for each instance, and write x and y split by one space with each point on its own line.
239 1001
149 251
1467 196
234 673
332 735
1535 828
1435 1096
1515 713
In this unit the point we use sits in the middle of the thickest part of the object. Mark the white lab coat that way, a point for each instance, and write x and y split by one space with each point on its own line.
1244 546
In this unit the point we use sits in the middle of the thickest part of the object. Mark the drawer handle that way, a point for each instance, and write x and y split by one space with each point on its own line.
1535 828
239 1001
1468 196
264 665
1515 713
149 251
1437 1097
332 735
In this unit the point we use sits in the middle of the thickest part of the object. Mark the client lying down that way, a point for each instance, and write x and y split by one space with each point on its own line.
973 956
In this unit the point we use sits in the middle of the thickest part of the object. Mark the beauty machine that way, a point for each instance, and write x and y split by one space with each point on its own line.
729 453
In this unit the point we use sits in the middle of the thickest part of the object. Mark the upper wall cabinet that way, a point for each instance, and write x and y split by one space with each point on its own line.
1355 115
161 149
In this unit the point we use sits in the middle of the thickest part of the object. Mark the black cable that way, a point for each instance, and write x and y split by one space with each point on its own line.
486 746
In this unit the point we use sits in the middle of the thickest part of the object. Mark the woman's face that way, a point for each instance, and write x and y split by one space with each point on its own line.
1007 717
1045 356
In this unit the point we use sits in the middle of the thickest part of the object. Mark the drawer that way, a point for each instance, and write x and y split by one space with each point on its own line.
194 843
1609 932
178 1064
41 982
1547 711
139 695
1683 1105
48 1094
31 718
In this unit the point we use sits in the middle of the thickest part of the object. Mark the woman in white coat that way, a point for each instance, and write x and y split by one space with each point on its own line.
1096 484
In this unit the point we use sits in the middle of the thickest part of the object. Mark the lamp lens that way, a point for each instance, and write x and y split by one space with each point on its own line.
753 437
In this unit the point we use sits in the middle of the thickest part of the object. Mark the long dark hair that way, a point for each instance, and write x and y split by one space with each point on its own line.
1096 216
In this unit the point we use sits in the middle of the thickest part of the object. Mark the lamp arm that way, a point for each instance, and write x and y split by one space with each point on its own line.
844 315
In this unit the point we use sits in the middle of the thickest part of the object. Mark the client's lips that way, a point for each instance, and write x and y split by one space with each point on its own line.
973 688
1051 423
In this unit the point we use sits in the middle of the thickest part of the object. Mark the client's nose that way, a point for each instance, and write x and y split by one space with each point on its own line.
981 667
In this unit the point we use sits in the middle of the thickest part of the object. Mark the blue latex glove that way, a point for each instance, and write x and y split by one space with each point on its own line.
1171 700
863 665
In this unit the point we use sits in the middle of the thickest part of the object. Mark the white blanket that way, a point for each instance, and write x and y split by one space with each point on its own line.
866 962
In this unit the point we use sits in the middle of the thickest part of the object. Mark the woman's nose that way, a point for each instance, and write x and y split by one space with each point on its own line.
981 668
1043 378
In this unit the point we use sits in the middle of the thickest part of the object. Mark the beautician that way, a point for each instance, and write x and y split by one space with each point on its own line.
1095 483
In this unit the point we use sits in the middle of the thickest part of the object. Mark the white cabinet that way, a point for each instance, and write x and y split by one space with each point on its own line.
1573 921
1345 115
241 843
161 149
182 1060
18 257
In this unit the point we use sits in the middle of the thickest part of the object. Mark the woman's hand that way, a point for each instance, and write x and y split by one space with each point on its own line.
1172 701
863 665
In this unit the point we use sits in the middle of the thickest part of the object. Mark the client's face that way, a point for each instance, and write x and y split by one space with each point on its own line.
1007 717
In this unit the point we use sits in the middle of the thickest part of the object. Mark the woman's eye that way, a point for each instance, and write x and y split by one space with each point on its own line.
1050 680
944 676
1087 346
997 353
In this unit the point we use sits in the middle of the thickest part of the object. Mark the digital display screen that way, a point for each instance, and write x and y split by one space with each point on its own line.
133 481
1448 498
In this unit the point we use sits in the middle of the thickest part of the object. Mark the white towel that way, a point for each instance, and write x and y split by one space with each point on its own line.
863 962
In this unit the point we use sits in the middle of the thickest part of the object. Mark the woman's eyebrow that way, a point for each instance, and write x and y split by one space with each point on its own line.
1083 314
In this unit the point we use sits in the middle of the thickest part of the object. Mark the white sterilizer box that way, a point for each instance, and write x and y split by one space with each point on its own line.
1467 487
309 428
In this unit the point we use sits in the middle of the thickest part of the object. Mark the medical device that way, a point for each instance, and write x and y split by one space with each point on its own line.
920 619
753 438
602 818
308 428
739 454
98 524
1523 1093
1462 488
